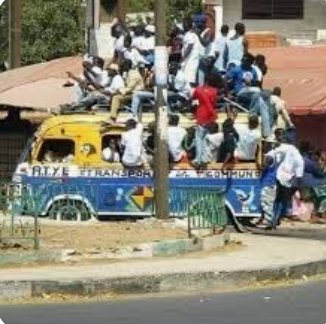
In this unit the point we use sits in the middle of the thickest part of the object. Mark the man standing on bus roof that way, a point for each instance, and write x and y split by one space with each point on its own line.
206 96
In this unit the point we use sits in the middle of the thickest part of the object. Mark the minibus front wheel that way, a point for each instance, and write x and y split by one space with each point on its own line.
70 210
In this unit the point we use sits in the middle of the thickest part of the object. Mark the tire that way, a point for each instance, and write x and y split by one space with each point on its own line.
241 224
70 210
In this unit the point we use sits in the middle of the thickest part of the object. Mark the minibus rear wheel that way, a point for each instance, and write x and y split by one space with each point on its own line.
69 210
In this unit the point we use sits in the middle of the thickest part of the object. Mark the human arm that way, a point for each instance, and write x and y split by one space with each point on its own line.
245 46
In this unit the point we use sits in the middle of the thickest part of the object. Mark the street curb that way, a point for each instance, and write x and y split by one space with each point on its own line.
166 248
165 283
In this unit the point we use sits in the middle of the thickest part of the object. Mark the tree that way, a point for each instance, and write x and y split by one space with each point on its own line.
50 29
176 10
4 32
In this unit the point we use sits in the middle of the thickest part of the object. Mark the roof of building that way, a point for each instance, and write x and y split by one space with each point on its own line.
301 73
38 86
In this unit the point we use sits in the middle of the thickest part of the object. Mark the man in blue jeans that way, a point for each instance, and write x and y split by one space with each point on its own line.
244 79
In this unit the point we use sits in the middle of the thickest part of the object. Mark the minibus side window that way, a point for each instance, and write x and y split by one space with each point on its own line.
111 149
57 151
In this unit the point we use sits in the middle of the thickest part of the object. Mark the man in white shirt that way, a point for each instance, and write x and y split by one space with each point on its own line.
110 153
93 74
237 46
249 139
213 140
117 82
131 53
131 142
138 40
280 106
180 90
103 95
289 173
190 52
176 136
219 49
149 44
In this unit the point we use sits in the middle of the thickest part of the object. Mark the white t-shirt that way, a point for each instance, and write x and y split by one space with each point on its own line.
280 106
109 156
135 57
116 84
291 163
119 44
139 42
132 142
149 43
235 50
219 47
191 38
101 77
191 63
182 85
176 136
259 72
248 142
212 146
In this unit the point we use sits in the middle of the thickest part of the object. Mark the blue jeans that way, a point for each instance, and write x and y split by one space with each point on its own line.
201 132
282 202
256 101
137 99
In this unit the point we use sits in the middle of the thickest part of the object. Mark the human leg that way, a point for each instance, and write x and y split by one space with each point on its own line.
268 196
201 132
137 98
259 107
116 104
283 198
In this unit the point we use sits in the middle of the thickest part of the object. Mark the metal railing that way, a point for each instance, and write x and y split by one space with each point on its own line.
204 207
14 199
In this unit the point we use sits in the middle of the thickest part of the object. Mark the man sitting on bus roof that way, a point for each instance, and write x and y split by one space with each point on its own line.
176 136
249 138
134 82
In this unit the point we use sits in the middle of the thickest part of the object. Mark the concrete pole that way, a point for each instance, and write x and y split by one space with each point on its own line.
161 156
15 10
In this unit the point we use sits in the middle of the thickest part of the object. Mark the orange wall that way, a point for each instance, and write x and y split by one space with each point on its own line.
313 129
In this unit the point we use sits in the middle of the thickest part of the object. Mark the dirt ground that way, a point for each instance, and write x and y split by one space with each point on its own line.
105 236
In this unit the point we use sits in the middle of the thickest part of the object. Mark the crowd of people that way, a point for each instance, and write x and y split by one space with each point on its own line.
207 74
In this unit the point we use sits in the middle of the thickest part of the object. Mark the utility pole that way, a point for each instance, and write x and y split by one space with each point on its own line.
15 10
161 156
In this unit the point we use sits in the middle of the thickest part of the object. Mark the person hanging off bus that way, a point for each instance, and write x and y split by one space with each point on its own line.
131 143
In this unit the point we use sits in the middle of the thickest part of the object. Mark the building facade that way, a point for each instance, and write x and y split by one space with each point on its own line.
294 19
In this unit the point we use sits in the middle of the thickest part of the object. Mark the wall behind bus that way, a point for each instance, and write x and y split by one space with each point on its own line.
314 19
312 129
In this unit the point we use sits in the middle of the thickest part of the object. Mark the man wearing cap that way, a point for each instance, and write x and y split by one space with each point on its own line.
134 82
149 44
103 95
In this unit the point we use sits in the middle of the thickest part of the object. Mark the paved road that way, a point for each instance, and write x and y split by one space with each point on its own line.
304 304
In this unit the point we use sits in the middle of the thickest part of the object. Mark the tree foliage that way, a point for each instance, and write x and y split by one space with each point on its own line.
55 28
50 29
4 32
176 9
